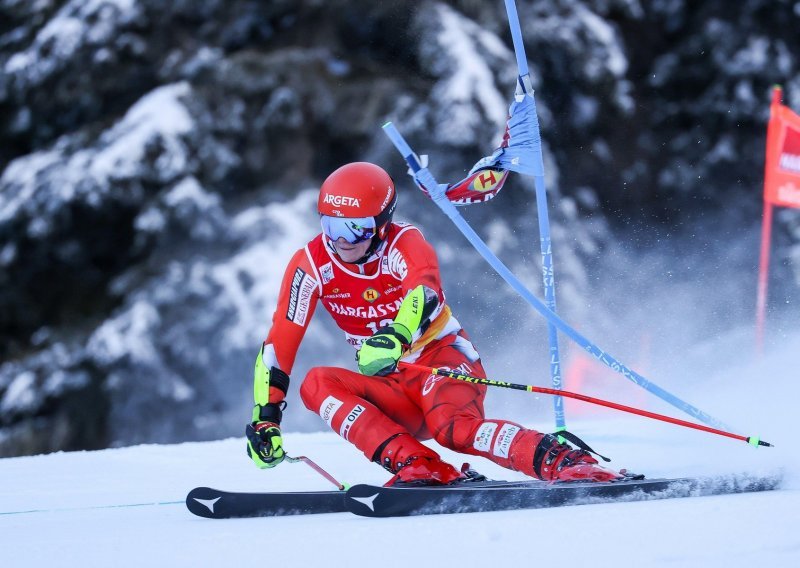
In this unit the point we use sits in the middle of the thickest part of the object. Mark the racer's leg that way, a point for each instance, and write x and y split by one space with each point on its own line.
454 411
454 414
366 411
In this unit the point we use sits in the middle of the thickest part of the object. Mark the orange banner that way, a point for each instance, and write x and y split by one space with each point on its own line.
782 169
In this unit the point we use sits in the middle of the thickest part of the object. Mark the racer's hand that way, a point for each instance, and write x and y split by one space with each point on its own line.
265 444
380 353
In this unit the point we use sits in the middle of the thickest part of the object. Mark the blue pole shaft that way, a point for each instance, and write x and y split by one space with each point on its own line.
548 272
437 193
548 275
516 37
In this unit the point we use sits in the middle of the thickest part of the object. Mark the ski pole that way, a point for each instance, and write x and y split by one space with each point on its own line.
752 440
309 462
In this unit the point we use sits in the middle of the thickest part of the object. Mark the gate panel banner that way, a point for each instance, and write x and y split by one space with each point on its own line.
782 169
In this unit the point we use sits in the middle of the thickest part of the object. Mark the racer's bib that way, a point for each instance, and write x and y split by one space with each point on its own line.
360 304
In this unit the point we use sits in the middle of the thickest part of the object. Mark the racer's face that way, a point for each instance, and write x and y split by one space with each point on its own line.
349 252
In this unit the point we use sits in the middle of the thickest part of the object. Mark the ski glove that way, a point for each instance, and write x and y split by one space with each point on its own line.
265 444
380 353
264 440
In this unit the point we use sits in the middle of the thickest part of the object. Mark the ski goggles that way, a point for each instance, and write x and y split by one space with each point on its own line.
352 229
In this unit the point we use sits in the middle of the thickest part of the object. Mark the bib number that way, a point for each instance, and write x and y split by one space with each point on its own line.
374 326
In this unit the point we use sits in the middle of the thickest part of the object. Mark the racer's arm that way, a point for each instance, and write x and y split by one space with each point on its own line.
414 262
422 284
297 301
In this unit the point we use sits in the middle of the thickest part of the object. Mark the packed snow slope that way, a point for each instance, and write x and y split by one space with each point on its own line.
124 507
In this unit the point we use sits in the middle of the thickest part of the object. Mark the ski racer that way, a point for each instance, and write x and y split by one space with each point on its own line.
380 282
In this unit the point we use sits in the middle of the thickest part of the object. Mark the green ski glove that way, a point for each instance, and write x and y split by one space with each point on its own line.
380 353
264 439
265 444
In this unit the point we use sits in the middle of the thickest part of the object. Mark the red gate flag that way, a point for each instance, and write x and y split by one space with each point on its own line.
781 188
782 169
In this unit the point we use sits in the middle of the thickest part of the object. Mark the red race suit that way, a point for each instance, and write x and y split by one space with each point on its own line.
367 410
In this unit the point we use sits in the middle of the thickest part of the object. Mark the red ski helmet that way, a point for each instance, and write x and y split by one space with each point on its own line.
359 190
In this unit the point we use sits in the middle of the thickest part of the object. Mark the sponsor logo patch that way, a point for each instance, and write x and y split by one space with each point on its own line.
504 438
486 180
397 264
326 272
328 408
337 295
370 312
356 340
430 382
303 286
370 295
351 418
483 438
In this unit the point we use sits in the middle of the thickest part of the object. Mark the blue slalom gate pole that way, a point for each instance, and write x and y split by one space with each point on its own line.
548 275
437 193
524 88
516 37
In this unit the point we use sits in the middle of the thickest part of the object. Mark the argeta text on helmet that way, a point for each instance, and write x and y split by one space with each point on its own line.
340 200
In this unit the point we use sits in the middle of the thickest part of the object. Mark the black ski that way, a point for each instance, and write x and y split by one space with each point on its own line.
375 501
215 504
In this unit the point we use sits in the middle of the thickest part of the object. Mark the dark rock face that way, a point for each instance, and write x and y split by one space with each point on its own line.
158 160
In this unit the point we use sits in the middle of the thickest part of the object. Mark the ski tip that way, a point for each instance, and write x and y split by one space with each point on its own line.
202 500
755 441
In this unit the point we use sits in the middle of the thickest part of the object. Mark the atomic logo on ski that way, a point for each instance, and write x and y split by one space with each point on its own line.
208 502
368 501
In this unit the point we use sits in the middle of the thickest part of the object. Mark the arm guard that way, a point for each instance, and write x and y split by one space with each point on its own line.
266 377
418 309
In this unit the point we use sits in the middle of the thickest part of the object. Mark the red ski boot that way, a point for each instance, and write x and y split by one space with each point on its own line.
414 463
560 462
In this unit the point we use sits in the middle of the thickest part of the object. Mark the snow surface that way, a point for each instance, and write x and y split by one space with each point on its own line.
124 507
